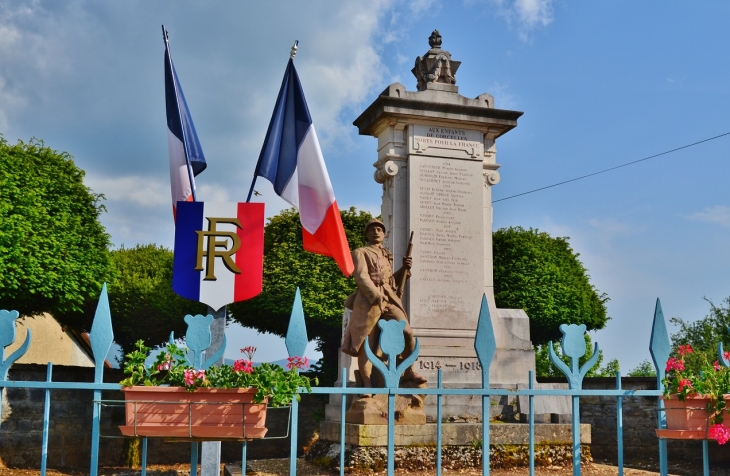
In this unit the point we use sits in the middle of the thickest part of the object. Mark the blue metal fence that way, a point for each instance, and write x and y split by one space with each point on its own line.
392 344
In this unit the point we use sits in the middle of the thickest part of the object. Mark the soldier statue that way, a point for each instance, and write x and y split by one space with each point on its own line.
376 299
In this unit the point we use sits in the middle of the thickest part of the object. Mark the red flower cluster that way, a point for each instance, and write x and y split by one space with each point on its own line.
298 362
720 432
684 383
685 349
675 364
243 365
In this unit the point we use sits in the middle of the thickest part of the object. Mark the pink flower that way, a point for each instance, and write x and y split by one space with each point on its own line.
674 364
298 362
189 377
192 375
243 365
716 365
719 432
166 364
685 349
726 354
684 383
249 352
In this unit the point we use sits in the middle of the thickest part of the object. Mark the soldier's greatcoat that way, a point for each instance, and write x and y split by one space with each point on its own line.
374 277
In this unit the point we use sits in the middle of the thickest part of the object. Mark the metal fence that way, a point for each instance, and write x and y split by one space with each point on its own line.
573 346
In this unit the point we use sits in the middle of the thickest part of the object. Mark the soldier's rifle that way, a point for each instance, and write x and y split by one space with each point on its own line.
404 276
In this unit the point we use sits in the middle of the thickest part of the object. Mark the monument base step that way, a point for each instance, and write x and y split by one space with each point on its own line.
452 434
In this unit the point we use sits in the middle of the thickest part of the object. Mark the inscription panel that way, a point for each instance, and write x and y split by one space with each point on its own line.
446 141
445 204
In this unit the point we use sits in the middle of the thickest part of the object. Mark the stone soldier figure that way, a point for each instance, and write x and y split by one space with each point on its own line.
376 299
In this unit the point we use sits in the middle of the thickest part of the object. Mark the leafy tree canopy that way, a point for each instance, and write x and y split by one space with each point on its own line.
542 275
545 368
288 266
53 249
704 334
141 299
645 369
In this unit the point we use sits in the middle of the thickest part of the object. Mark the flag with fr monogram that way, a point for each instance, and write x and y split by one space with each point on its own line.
219 252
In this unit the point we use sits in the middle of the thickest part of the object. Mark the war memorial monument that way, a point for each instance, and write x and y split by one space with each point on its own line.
437 163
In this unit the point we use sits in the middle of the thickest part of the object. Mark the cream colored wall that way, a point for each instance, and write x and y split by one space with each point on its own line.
49 343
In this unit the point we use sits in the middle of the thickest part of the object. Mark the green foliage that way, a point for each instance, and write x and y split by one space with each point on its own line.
545 368
141 299
645 369
542 275
271 381
323 287
690 374
704 334
53 249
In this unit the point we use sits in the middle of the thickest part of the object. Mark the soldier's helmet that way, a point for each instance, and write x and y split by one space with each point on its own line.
374 222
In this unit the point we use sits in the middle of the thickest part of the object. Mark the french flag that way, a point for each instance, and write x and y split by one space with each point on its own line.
186 155
218 284
291 159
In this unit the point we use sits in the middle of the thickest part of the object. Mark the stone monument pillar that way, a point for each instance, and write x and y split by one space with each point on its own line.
437 163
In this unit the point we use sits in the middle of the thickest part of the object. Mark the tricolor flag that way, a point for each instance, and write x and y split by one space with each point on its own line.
219 252
186 155
292 160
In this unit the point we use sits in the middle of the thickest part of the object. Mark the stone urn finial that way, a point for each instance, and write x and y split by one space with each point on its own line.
435 39
436 69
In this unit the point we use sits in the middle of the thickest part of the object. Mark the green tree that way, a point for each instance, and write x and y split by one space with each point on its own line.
324 289
704 334
545 368
542 275
644 369
53 249
141 299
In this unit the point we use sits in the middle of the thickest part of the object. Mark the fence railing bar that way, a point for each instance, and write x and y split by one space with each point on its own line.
391 434
490 391
620 426
143 472
705 459
576 435
46 420
531 421
244 457
343 411
95 427
194 458
294 435
439 402
485 435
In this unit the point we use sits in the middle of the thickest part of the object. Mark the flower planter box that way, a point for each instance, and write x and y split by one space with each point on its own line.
206 413
686 420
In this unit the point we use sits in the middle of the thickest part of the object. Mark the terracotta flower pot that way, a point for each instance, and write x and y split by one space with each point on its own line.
686 420
206 413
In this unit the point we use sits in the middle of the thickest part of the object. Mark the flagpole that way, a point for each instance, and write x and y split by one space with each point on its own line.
292 54
166 39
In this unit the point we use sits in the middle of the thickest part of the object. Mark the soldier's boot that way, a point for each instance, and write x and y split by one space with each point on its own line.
414 377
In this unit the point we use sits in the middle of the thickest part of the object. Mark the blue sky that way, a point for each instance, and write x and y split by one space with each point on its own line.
600 83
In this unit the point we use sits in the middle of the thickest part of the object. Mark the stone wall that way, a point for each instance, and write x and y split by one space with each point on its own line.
639 422
69 441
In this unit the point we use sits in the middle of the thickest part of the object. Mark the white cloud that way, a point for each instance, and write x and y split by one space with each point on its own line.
420 6
719 215
144 191
610 227
525 15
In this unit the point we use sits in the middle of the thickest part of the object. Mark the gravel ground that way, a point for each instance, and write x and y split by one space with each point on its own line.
276 467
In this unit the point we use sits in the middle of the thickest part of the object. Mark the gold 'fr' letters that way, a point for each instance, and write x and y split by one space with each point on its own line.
212 251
